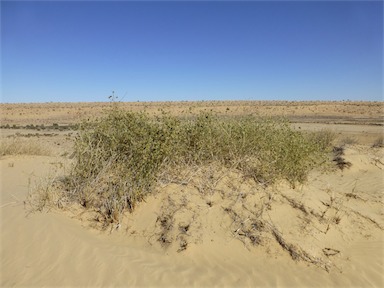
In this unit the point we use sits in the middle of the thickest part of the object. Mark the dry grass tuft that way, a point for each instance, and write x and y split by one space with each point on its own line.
17 146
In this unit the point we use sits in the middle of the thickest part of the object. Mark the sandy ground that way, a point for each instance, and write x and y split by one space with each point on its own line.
298 112
336 220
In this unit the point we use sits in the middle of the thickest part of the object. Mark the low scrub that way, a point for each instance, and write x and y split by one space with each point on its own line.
17 146
118 158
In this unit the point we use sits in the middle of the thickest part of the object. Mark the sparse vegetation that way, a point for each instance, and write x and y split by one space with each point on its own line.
54 126
17 146
118 157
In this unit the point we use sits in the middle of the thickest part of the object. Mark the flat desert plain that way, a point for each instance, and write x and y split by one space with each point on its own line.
327 232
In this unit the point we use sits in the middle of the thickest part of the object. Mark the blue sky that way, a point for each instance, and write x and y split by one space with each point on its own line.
72 51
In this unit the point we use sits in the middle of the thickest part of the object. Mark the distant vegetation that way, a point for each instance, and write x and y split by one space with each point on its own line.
54 126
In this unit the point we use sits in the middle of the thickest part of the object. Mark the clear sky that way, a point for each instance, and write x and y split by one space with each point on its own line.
73 51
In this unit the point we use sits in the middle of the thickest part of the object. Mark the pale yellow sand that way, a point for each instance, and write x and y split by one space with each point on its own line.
54 249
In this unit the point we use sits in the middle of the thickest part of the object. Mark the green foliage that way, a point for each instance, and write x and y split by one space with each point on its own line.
119 157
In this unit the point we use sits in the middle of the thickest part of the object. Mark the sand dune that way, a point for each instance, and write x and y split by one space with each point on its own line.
57 248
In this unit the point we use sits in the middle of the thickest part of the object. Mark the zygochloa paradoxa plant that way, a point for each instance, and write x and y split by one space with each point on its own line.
118 158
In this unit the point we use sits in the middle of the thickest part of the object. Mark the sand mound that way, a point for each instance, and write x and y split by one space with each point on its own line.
312 223
206 227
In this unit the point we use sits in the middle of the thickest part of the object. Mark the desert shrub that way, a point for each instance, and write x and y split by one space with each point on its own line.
264 148
118 157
